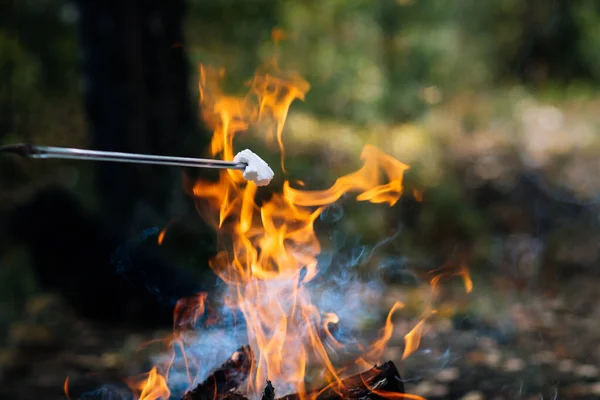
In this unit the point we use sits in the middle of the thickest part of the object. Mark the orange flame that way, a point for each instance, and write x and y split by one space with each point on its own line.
331 318
161 236
418 195
367 181
391 395
413 338
66 388
270 249
163 232
273 247
449 270
378 346
154 387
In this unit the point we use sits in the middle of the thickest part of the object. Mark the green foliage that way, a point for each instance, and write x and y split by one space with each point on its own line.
39 67
17 284
20 84
587 16
446 70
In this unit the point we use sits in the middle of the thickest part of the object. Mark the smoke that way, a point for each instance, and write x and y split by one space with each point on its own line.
108 392
136 262
339 288
204 350
345 286
332 213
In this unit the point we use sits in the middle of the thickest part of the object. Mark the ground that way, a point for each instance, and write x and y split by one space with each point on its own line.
529 347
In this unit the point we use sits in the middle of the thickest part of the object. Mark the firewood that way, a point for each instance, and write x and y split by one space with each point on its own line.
228 377
364 386
369 385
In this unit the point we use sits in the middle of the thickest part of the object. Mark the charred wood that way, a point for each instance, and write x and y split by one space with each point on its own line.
269 392
225 379
373 384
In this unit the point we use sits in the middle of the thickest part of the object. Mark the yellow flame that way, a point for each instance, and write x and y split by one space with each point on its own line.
273 247
390 395
331 318
418 195
413 338
154 387
161 236
367 181
379 345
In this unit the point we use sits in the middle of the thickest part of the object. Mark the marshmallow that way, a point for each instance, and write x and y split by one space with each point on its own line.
257 170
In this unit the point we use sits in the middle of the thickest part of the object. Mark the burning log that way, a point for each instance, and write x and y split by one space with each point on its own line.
375 384
372 384
228 377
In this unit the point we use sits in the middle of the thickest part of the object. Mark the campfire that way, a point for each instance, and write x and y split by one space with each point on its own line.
269 256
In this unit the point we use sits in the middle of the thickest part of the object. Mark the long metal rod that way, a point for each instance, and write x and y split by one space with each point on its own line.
44 152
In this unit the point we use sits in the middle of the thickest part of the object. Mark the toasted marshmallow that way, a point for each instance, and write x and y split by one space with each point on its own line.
257 170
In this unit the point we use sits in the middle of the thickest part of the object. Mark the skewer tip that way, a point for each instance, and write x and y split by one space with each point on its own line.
21 149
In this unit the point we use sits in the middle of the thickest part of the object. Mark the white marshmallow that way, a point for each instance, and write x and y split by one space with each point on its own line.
257 171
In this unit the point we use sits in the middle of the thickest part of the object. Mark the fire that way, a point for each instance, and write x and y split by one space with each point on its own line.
413 338
153 387
367 181
162 233
66 388
379 346
161 236
270 249
273 246
449 270
418 195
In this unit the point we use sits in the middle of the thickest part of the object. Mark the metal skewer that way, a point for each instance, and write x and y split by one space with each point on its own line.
44 152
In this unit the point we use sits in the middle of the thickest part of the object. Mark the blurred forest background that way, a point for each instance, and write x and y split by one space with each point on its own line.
494 105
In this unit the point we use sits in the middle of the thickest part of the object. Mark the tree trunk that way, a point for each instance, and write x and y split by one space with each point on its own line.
138 100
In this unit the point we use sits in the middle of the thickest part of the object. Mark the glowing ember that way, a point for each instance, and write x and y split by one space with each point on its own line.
270 250
161 236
